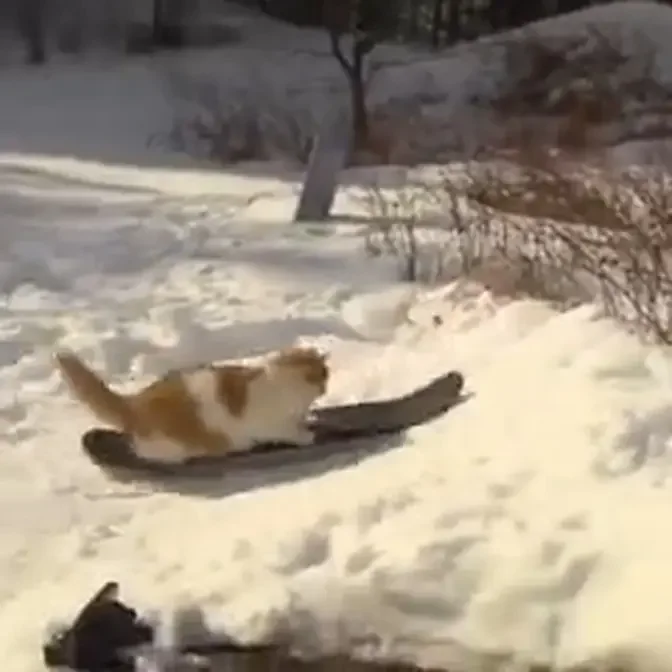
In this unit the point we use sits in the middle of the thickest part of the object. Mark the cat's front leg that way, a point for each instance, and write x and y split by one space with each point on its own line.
160 450
299 435
304 436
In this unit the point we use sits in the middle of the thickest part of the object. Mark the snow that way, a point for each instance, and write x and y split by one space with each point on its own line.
532 521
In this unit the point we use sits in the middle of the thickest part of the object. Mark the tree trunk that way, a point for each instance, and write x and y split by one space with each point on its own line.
343 18
31 24
360 114
437 22
454 20
354 71
169 29
413 21
158 21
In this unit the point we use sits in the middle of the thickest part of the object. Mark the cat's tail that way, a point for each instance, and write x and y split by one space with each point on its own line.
107 405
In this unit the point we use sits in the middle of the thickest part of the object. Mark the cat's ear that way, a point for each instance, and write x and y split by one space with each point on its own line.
310 361
315 352
322 355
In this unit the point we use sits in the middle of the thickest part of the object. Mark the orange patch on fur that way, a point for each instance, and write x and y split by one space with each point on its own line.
233 382
165 408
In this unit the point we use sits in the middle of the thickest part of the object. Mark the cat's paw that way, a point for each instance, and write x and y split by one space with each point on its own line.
165 453
302 436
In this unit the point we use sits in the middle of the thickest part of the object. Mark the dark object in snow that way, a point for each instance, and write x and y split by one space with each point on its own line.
100 636
338 429
108 636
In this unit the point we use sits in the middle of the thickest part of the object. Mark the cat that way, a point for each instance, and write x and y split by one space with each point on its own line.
209 410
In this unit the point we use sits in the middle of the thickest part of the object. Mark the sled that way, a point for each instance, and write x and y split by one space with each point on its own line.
337 430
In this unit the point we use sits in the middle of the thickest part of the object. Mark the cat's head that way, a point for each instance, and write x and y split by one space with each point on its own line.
308 362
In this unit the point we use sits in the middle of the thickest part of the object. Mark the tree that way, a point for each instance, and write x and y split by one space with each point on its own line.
438 21
168 24
158 20
30 18
365 22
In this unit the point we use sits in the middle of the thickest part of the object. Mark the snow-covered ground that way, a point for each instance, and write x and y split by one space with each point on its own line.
533 520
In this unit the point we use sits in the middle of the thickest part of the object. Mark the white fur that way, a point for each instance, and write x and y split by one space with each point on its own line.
278 402
160 448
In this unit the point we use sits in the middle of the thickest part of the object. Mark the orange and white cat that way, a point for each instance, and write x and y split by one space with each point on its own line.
209 410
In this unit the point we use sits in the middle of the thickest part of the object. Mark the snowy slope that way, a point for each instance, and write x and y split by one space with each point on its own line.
532 520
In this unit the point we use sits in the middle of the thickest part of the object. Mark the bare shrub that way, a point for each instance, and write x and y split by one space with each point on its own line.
591 87
256 121
577 92
555 229
402 230
613 230
246 123
411 132
439 234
